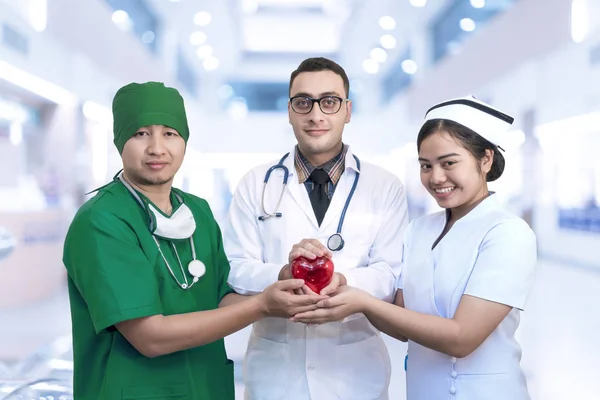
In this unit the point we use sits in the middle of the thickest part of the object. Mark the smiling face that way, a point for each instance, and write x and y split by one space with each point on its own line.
152 156
451 174
319 135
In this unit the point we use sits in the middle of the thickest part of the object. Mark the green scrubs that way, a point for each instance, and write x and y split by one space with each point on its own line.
116 273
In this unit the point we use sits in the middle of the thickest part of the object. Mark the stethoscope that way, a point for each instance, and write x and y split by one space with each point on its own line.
335 241
196 268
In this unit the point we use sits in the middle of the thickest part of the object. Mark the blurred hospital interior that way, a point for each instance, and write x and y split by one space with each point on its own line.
61 62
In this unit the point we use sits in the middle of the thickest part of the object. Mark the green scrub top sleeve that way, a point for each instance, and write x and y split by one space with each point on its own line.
222 263
110 270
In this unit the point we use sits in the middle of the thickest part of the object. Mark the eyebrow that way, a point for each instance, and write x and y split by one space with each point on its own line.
324 94
441 157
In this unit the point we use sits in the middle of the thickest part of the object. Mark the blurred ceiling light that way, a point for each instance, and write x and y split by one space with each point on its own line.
38 14
97 112
122 20
387 41
36 85
202 18
467 24
148 37
386 22
371 66
478 3
16 133
250 6
198 38
378 54
580 20
204 51
409 66
211 63
418 3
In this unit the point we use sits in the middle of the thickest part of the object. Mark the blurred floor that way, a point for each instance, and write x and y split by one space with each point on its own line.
558 333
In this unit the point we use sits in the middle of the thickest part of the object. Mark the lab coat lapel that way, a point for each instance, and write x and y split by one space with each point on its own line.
298 190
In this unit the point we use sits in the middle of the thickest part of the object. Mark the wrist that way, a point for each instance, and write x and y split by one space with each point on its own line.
260 305
367 304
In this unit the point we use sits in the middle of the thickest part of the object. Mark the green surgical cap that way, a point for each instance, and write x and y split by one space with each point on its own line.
143 104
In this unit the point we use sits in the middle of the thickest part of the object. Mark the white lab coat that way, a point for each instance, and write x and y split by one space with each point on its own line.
489 254
341 360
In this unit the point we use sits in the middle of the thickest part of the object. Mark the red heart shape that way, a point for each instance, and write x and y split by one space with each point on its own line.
316 273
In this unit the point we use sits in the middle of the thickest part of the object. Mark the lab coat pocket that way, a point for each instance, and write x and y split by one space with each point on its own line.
363 370
266 369
171 392
494 386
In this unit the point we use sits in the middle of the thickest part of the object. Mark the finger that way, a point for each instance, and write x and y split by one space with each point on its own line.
307 290
307 315
311 254
298 291
289 284
303 309
329 303
294 254
332 287
314 246
306 299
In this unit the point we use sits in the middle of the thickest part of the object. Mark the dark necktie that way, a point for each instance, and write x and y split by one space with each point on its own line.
318 197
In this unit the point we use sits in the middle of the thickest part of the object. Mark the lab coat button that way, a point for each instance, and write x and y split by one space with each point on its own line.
453 374
454 359
452 390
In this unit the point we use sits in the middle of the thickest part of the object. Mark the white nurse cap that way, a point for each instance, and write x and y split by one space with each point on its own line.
488 122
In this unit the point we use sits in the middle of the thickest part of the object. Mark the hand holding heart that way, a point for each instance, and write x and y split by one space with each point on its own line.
311 260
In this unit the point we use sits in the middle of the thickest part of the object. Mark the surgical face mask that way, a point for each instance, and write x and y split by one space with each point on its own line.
180 225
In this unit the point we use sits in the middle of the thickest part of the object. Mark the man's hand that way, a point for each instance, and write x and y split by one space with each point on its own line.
345 302
277 301
309 248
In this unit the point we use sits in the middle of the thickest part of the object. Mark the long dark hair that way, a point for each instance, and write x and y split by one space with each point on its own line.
474 143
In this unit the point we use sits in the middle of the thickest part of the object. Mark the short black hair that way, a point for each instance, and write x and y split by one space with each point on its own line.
316 64
469 139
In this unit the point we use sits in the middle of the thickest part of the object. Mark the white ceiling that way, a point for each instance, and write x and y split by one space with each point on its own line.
264 40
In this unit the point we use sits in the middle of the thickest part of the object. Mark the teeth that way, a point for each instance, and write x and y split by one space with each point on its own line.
444 190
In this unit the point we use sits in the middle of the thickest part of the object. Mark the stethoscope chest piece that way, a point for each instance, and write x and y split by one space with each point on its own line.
335 242
197 269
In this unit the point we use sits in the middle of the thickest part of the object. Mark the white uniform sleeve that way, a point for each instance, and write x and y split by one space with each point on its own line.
248 274
405 243
505 266
379 276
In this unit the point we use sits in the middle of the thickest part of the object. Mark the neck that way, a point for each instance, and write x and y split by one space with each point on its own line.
159 195
459 212
319 159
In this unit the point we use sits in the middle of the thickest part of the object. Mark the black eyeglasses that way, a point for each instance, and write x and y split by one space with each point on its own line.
327 104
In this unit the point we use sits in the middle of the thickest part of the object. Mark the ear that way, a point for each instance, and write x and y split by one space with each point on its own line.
348 110
487 161
290 111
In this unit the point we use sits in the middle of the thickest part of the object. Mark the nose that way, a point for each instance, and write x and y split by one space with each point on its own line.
437 176
156 145
316 115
